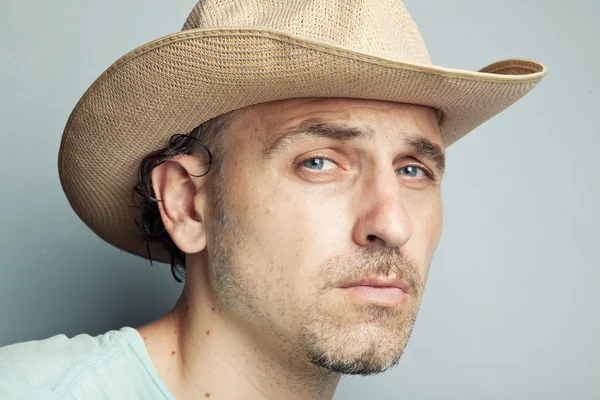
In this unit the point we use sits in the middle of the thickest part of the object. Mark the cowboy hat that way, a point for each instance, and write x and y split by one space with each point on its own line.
235 53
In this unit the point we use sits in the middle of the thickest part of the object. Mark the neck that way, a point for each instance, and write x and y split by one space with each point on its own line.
200 350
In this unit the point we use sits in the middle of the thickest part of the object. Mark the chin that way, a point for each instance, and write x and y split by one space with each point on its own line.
371 362
360 340
360 352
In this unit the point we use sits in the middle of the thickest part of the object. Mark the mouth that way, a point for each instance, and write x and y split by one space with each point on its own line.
385 292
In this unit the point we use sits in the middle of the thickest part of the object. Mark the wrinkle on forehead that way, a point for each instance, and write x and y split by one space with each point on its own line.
273 118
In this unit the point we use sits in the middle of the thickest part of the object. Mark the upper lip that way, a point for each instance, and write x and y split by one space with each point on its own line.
380 282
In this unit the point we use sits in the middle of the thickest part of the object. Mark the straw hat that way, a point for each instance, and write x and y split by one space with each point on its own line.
235 53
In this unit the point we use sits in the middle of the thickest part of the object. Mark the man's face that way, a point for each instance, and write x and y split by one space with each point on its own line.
316 194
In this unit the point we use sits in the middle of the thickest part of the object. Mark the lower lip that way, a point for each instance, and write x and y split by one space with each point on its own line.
385 295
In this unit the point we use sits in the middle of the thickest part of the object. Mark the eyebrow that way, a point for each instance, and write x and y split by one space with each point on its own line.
313 129
319 129
428 149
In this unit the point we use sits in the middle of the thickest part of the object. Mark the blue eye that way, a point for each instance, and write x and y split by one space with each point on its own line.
317 163
413 171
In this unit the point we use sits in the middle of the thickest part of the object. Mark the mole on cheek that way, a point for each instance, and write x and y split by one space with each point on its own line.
173 353
208 332
207 395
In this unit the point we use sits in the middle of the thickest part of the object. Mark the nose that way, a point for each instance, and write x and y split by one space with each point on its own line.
382 219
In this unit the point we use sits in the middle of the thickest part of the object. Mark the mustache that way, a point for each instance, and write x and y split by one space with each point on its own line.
374 262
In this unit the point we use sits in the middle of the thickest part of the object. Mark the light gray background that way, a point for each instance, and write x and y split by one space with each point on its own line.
511 307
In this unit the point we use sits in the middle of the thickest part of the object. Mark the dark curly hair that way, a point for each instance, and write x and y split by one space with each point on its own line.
205 141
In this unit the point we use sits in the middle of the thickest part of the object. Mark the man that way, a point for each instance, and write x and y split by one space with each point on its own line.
303 205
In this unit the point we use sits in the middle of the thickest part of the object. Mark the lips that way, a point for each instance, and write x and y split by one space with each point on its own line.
388 292
379 283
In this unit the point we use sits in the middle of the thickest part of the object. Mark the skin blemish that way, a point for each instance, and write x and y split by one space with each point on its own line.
208 332
172 353
207 395
213 309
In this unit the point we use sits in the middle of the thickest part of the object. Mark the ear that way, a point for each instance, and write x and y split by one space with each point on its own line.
175 189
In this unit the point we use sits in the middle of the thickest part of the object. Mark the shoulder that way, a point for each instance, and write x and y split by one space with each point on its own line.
41 367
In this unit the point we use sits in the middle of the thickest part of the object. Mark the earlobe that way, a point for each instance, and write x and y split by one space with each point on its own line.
175 191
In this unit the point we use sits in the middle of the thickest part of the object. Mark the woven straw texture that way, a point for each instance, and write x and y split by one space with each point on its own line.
234 53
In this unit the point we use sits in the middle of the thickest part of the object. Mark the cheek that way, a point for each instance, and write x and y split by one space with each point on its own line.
426 220
285 235
300 231
435 229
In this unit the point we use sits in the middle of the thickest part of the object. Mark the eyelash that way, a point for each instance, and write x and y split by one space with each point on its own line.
427 173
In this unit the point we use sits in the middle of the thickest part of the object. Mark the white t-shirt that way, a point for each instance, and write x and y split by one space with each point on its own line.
114 365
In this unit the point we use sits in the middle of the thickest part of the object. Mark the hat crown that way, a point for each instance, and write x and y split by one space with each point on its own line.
382 28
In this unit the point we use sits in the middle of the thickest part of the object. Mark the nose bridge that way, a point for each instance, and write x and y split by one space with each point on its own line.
381 213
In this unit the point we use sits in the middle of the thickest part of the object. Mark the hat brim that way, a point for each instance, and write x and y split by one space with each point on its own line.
175 83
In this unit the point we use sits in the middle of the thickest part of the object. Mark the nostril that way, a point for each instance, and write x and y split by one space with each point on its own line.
371 238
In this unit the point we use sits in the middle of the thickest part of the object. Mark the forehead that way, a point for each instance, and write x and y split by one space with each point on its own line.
268 120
